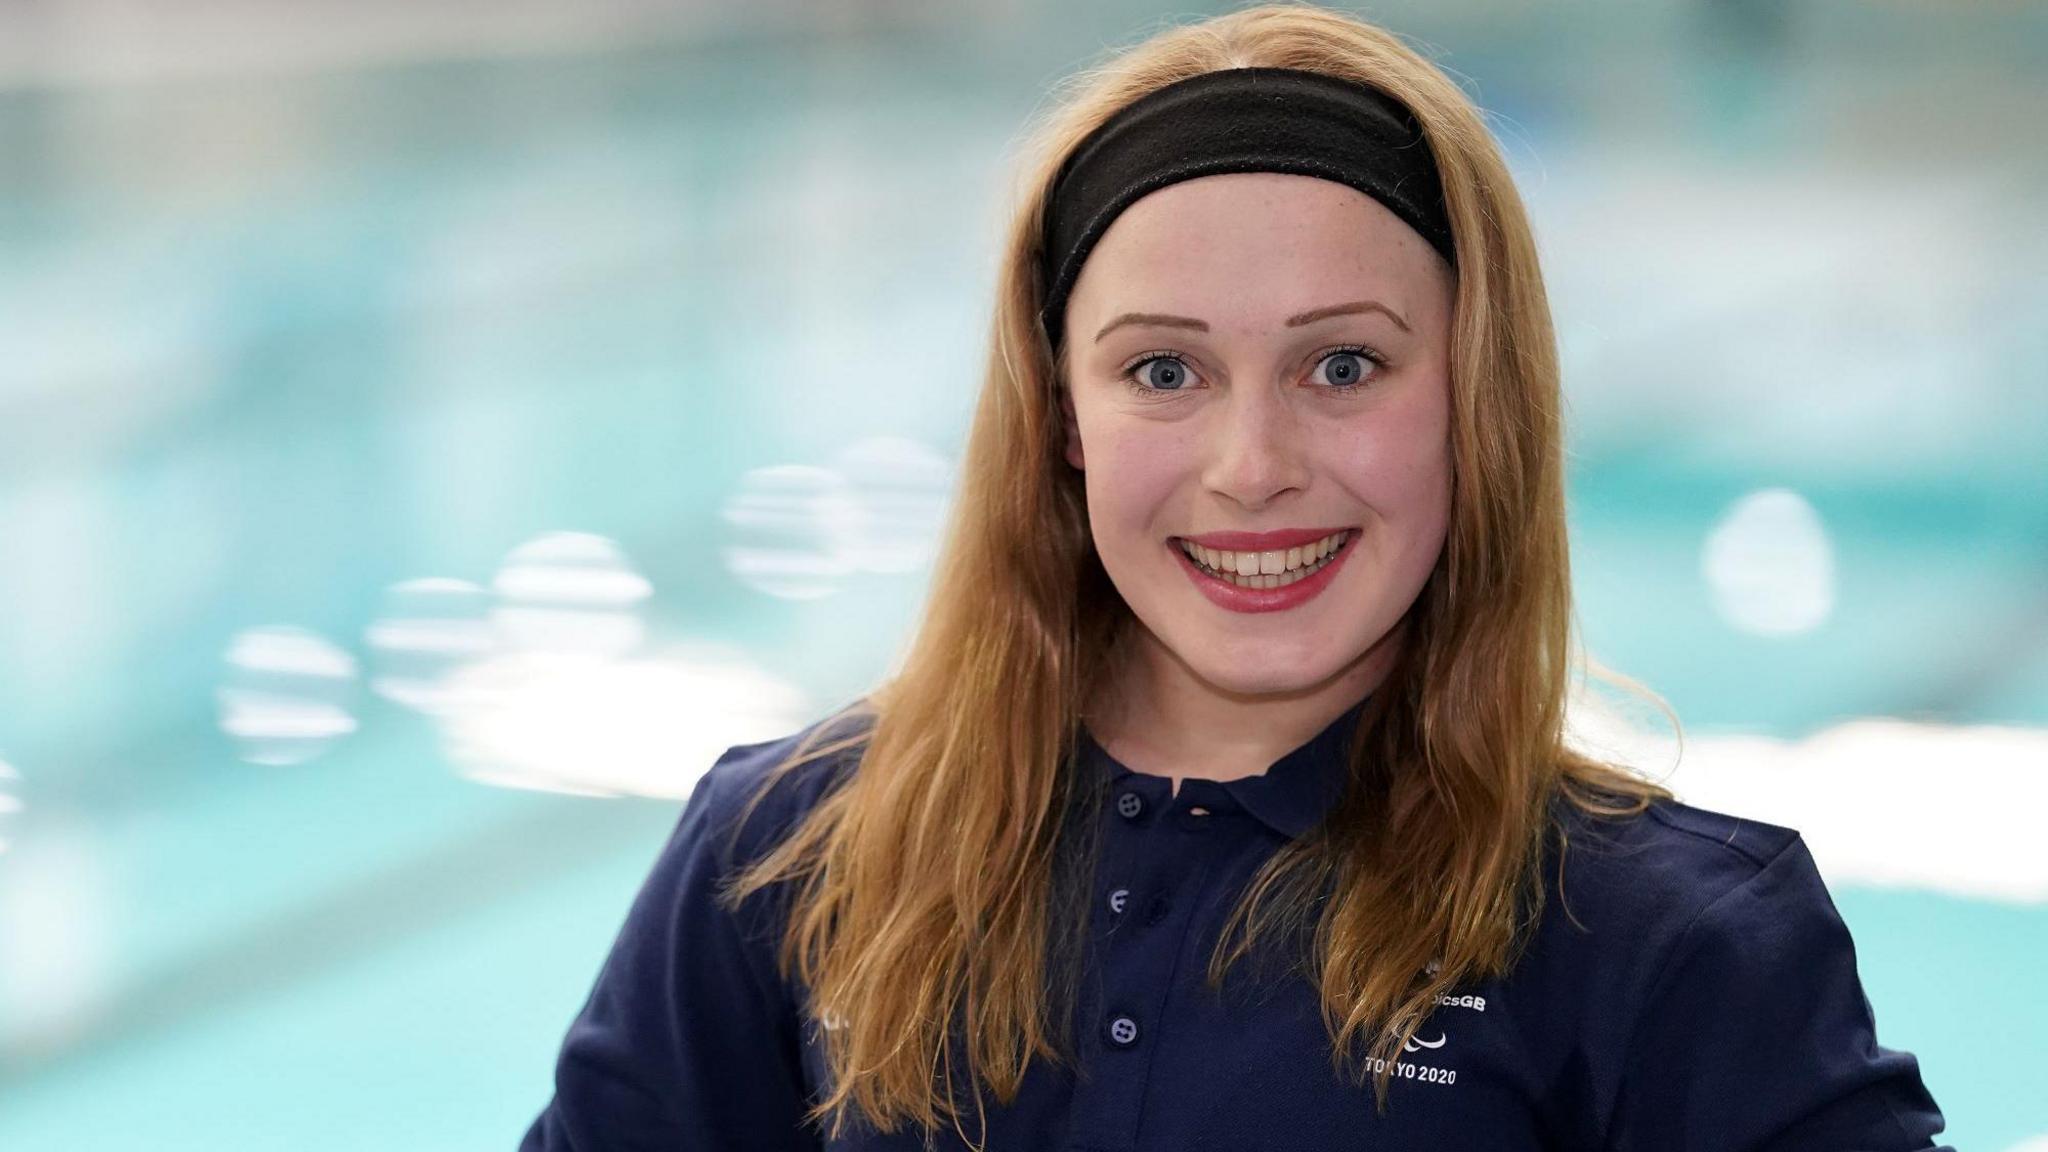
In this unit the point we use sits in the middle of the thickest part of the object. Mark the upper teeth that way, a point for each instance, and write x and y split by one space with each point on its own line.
1263 563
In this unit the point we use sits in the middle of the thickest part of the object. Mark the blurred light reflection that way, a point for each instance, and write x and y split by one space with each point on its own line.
426 630
900 490
585 724
789 531
11 804
287 695
1857 792
1770 566
797 531
570 592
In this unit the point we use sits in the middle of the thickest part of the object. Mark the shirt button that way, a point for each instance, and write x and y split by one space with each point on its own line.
1160 906
1129 805
1123 1031
1116 900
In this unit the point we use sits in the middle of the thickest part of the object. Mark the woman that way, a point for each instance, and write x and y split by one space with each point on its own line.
1221 800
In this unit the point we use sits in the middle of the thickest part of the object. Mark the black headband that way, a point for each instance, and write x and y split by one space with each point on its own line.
1238 120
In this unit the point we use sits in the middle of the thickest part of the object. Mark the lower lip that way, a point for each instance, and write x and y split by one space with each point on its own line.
1227 595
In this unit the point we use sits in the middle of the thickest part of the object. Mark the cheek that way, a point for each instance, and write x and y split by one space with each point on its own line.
1132 471
1402 468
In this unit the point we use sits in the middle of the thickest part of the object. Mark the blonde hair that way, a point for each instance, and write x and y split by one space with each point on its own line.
925 902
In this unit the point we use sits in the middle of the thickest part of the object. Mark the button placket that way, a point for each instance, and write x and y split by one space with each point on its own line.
1131 805
1139 954
1138 989
1197 816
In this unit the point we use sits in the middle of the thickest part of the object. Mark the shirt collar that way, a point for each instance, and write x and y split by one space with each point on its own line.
1294 793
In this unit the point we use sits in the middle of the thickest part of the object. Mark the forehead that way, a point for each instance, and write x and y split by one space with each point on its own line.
1251 237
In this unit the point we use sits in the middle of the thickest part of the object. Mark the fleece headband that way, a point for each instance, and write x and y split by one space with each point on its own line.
1238 120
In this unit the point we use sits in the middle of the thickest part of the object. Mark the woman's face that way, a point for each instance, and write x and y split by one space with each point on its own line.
1256 363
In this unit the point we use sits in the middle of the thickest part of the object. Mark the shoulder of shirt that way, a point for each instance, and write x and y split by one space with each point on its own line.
1673 828
744 770
1652 873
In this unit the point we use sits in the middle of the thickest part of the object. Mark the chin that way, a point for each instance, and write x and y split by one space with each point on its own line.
1272 675
1273 666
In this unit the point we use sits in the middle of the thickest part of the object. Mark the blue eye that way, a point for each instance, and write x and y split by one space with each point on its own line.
1162 373
1346 368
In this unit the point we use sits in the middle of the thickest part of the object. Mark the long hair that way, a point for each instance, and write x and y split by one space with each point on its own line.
927 906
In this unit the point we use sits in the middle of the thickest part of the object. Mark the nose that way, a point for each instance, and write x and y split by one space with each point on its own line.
1257 450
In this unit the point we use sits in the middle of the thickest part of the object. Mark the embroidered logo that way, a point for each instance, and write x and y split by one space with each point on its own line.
1428 1073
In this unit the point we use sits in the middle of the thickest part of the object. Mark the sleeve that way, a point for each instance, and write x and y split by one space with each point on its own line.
688 1041
1757 1036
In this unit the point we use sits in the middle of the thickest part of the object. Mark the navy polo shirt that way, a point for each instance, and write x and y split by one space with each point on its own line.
1702 994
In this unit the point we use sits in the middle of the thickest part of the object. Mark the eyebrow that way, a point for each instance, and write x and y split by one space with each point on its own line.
1164 320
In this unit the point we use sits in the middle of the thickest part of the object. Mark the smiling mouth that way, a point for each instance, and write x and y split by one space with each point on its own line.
1275 569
